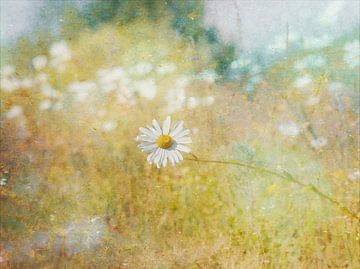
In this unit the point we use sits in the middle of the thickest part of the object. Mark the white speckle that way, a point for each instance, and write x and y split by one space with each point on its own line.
7 70
146 88
302 82
208 100
319 142
3 181
166 68
14 112
45 104
289 129
354 175
109 126
141 69
312 100
192 102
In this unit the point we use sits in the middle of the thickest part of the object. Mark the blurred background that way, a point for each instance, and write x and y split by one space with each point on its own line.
268 83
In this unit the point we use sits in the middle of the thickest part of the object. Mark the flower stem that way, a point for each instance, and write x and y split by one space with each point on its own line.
284 175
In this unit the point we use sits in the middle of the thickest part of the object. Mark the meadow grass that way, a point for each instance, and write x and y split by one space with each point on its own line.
70 177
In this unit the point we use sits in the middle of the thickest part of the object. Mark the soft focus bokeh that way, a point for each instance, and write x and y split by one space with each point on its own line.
79 78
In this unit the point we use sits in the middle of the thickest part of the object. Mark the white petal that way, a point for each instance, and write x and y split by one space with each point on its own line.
171 157
157 153
152 155
164 162
145 144
183 140
153 130
166 125
177 128
157 126
162 157
182 133
148 147
174 156
145 138
147 132
183 148
178 154
158 158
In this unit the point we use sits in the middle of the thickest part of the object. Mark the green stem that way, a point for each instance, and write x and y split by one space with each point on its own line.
284 175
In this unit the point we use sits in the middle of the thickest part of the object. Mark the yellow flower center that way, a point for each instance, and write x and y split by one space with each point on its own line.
164 141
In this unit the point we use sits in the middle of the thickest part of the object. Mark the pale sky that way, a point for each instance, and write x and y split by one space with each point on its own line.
250 23
253 22
17 17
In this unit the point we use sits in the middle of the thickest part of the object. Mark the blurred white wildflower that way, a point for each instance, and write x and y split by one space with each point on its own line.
39 62
60 51
58 106
3 181
7 70
255 79
164 143
192 102
41 78
8 81
45 104
82 89
101 113
22 131
317 42
312 100
109 126
255 69
240 63
175 99
319 142
166 68
141 69
125 96
208 100
336 88
48 91
289 129
195 130
60 54
311 61
26 83
208 76
352 53
112 79
9 84
145 88
15 111
355 175
331 13
83 235
302 82
182 82
337 91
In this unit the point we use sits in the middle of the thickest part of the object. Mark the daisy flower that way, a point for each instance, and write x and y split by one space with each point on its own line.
164 143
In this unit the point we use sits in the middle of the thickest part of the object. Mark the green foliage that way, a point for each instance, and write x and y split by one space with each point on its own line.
186 18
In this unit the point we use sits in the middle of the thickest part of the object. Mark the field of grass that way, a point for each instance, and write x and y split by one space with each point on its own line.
76 191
